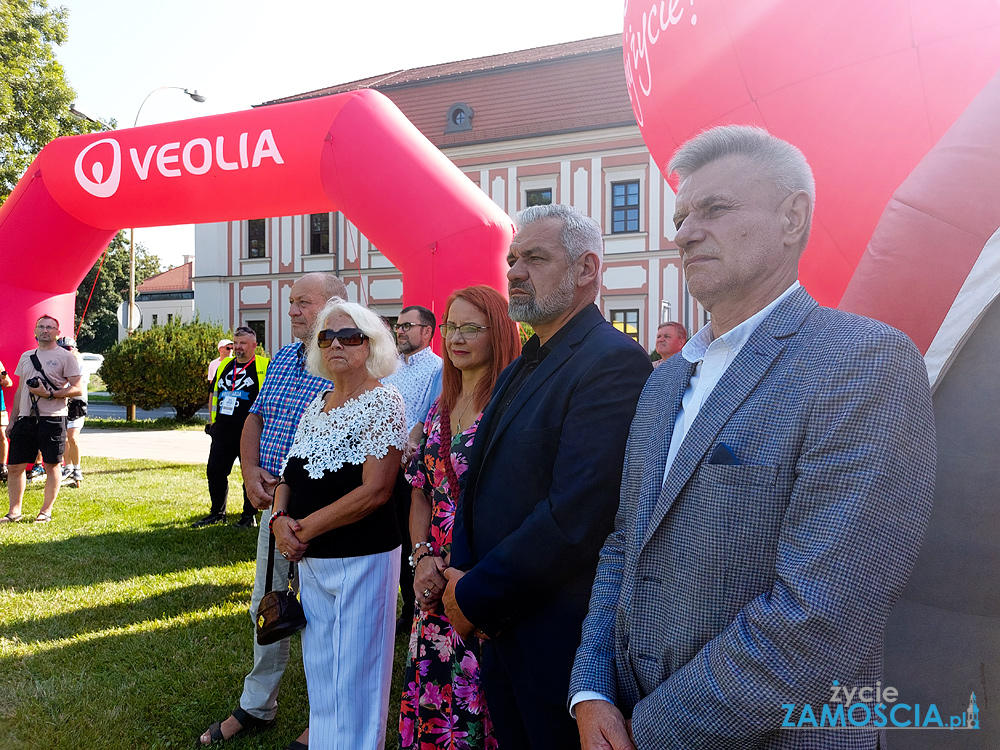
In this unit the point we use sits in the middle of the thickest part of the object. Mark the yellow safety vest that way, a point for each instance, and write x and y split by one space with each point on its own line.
260 365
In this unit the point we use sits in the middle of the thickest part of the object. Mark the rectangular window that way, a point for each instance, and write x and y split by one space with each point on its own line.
624 207
154 321
258 327
626 321
542 197
170 318
319 234
257 235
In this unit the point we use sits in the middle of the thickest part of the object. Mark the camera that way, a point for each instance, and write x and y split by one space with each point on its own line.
33 382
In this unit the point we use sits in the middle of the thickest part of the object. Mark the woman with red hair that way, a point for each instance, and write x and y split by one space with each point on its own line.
442 698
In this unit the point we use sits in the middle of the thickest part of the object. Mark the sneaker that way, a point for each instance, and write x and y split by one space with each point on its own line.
247 522
3 474
67 476
77 477
35 472
210 519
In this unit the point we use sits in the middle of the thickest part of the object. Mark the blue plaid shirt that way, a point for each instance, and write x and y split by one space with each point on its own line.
286 393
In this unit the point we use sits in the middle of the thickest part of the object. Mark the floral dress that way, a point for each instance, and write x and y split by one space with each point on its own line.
443 704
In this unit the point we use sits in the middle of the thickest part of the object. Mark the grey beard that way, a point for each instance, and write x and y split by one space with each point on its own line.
534 310
404 346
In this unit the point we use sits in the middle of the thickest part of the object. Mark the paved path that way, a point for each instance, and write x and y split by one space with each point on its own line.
180 446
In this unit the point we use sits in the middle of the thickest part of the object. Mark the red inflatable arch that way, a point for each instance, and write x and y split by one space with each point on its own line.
353 152
893 102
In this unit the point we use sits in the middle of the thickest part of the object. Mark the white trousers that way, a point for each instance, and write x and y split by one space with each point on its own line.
347 647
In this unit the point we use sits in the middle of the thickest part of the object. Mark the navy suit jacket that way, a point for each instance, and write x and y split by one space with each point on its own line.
540 495
730 589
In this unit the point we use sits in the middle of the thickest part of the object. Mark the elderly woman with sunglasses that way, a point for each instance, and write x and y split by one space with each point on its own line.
331 516
441 681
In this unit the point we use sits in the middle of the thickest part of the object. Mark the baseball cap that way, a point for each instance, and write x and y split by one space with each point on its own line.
66 342
224 342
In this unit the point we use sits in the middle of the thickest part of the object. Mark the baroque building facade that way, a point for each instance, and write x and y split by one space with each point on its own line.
551 124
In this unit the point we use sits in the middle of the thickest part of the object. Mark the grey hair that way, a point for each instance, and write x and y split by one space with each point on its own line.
382 355
580 233
780 160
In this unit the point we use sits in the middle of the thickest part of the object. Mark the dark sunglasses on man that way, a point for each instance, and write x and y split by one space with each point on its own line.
346 337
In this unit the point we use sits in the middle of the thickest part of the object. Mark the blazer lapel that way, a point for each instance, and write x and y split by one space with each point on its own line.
546 369
658 439
740 379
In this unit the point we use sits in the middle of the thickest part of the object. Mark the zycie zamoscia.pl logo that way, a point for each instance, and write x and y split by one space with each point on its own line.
98 186
195 157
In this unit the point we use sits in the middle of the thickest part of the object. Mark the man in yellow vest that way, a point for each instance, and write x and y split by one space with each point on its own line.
238 380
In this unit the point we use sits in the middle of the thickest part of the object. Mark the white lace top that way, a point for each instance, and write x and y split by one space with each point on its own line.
367 425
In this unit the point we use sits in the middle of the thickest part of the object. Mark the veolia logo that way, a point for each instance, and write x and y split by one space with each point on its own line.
100 187
197 156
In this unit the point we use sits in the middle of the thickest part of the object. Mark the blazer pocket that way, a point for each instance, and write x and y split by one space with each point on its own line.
740 475
543 435
753 500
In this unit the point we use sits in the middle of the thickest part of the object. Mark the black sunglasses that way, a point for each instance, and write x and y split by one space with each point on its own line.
346 337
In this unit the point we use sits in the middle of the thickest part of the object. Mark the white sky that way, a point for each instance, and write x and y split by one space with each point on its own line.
243 53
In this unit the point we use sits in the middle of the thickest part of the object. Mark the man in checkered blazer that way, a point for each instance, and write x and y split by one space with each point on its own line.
777 482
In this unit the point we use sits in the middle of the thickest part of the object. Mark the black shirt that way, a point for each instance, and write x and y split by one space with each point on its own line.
240 382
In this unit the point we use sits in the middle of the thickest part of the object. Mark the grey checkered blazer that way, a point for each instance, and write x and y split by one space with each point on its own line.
729 590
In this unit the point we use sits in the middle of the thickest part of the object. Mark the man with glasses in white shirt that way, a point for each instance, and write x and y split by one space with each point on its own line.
418 379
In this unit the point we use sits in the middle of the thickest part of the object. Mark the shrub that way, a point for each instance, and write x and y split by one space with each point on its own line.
163 365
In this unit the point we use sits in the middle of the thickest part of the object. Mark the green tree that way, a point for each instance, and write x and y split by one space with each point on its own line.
35 97
163 365
99 331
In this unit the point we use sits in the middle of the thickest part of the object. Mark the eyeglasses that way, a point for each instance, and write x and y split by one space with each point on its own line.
469 330
346 337
405 327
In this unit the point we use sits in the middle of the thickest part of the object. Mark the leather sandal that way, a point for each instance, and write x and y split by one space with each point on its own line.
248 723
42 517
11 519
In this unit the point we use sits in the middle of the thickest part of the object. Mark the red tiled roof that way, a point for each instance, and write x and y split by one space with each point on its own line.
558 88
175 280
474 65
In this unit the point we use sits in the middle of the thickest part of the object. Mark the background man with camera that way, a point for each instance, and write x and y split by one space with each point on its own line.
47 377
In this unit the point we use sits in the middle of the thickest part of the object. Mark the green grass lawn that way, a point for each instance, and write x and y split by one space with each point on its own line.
123 627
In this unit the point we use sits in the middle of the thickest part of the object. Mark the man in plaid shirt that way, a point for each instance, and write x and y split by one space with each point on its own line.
267 435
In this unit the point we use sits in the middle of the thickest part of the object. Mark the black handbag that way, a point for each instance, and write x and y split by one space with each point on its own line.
279 614
76 408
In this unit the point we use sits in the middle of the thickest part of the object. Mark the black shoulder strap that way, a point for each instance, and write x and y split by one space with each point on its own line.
38 366
270 563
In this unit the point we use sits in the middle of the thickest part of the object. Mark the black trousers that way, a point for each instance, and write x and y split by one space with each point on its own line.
224 452
525 713
401 500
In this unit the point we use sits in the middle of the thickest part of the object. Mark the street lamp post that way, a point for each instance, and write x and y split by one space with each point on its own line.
130 409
